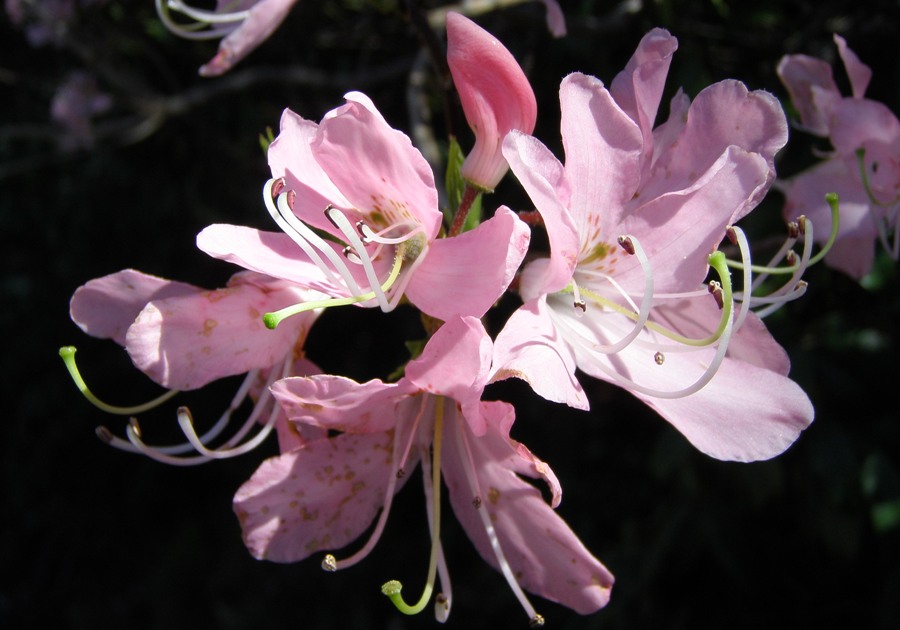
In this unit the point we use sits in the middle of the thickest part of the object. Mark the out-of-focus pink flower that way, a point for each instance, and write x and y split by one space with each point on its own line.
495 94
355 178
326 494
243 25
75 104
632 218
46 22
863 169
556 21
184 337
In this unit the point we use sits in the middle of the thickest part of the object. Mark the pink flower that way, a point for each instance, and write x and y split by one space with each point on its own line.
863 169
76 102
326 494
245 24
362 182
495 94
184 337
632 218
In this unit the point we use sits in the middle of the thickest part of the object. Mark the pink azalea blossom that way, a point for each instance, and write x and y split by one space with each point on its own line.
243 25
327 493
863 169
645 320
76 102
357 179
495 94
184 337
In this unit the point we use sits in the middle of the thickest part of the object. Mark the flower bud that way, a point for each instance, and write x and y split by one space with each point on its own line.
495 95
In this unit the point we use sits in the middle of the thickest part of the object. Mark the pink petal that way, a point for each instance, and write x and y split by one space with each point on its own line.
860 74
530 348
723 115
264 18
543 178
314 499
598 138
398 186
290 156
638 88
812 89
545 555
105 307
495 96
188 341
455 363
466 274
745 413
339 403
556 21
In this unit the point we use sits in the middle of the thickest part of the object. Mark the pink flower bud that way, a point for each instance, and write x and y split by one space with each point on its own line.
495 94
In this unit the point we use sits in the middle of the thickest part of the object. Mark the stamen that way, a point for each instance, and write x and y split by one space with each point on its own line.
68 356
193 31
398 458
496 547
209 17
392 588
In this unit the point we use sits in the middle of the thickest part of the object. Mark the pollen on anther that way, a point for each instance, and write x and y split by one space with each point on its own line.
329 563
660 358
626 244
536 622
476 502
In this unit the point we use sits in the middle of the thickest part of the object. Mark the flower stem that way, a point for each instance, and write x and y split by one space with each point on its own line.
469 195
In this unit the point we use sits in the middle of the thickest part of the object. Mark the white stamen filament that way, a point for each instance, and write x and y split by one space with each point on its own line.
229 448
193 31
458 430
210 17
398 463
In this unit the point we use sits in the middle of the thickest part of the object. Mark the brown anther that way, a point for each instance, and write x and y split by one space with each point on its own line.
660 358
581 304
802 284
104 434
401 473
801 223
359 230
135 426
277 187
291 198
329 563
327 213
536 622
347 251
791 257
476 502
626 244
731 233
793 229
716 290
186 412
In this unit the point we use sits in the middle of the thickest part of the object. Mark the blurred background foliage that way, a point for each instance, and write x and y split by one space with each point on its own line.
92 537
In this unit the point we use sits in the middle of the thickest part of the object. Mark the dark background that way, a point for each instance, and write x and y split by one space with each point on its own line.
93 537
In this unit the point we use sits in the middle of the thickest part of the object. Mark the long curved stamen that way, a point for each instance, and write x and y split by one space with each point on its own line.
185 447
392 588
271 320
789 291
228 449
210 17
303 236
194 31
721 336
398 461
67 353
633 247
340 220
535 620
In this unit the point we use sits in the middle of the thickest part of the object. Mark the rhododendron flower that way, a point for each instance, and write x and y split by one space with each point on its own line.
326 493
184 337
863 169
495 95
76 102
363 183
632 218
244 24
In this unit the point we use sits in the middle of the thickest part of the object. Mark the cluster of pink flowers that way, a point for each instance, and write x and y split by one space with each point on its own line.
636 290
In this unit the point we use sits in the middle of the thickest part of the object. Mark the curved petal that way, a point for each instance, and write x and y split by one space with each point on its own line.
465 275
810 84
105 307
188 341
545 556
859 73
264 18
339 403
317 498
543 178
530 348
396 187
455 363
